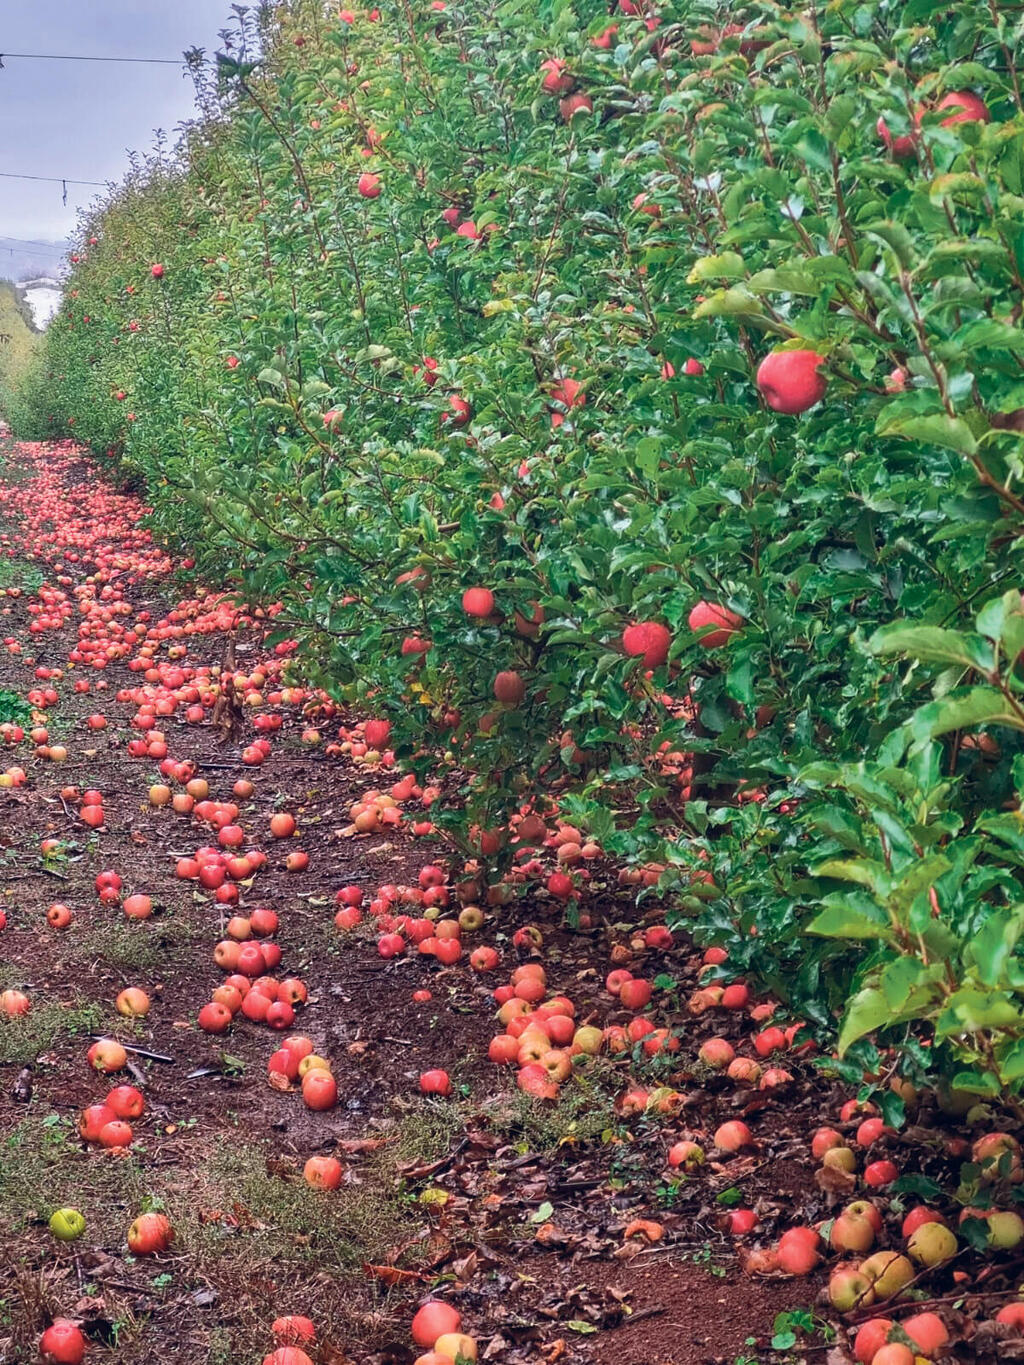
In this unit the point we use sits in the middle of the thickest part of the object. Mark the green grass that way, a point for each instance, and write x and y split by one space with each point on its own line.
15 573
23 1039
128 947
583 1112
45 1168
248 1229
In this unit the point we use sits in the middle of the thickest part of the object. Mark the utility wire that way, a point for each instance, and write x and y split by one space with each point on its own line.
58 57
61 180
53 179
51 247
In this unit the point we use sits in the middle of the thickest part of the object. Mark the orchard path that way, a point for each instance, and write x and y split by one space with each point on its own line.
518 1211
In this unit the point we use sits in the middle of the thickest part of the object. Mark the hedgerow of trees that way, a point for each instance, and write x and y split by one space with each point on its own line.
475 296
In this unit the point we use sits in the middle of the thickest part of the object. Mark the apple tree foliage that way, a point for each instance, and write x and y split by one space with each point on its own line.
521 355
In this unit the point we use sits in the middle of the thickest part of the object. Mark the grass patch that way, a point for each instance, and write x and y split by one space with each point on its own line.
24 1038
16 573
283 1219
424 1134
583 1113
128 947
45 1168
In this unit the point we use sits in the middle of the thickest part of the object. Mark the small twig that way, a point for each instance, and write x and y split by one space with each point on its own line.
864 1313
138 1051
641 1315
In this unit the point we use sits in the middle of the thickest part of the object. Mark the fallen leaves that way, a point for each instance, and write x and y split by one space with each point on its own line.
391 1275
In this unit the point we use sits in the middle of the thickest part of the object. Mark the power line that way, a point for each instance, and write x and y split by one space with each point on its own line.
31 241
35 255
58 57
53 179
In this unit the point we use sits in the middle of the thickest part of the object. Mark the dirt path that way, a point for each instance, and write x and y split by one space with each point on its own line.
517 1211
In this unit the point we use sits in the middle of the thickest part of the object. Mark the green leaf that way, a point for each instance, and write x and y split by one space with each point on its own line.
542 1213
735 302
908 984
896 236
863 871
932 644
976 1083
845 922
938 429
971 1009
918 878
728 266
964 710
994 946
1011 1064
867 1011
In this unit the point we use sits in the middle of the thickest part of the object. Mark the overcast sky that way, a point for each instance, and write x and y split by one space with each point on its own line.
80 119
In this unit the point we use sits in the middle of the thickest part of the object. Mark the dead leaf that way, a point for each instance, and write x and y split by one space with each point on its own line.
644 1227
391 1275
466 1268
550 1235
833 1180
353 1146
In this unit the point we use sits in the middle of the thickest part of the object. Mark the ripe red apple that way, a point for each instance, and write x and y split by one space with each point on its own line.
572 105
635 994
509 688
62 1343
879 1173
478 602
648 640
799 1251
107 1055
732 1136
686 1154
435 1083
433 1320
323 1172
790 381
717 1053
871 1337
556 80
132 1001
966 107
319 1089
292 1329
126 1102
706 614
901 147
150 1234
927 1331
